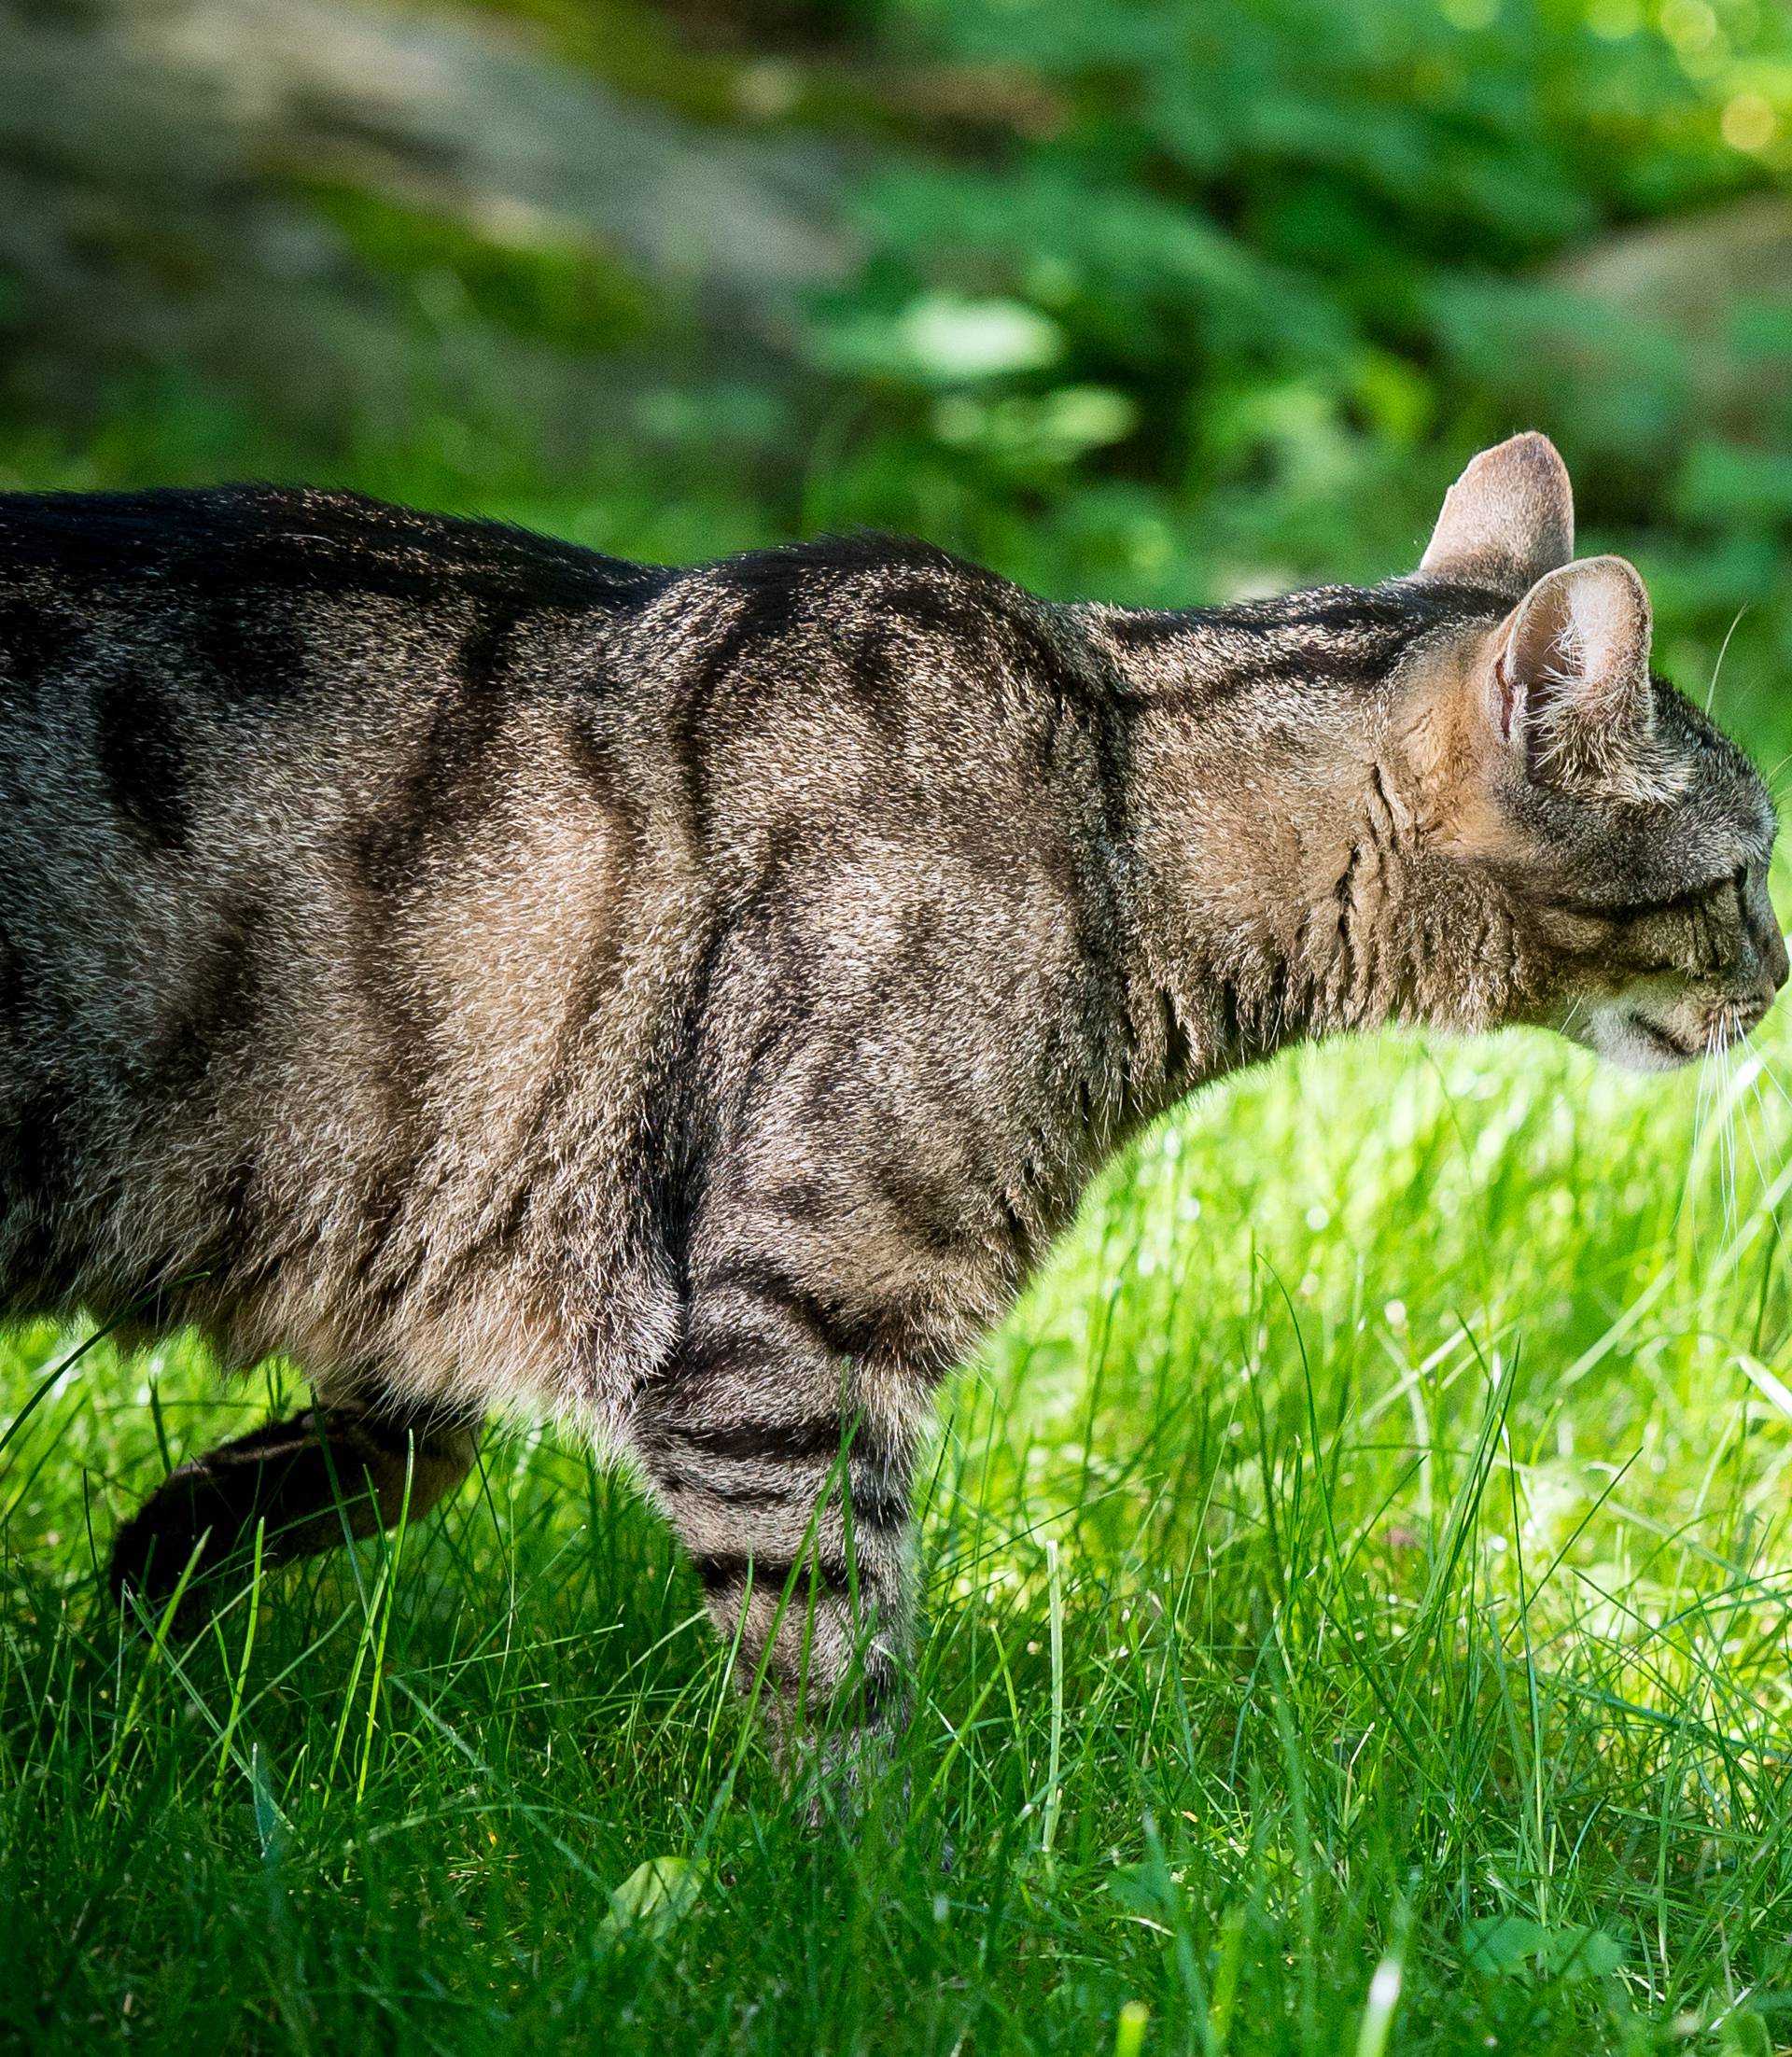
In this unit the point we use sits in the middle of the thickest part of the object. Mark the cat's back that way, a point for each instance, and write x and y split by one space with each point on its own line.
269 692
273 601
299 541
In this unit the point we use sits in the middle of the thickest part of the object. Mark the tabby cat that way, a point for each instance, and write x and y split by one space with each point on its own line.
689 1003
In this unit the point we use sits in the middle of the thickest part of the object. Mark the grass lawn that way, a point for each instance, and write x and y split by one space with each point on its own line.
1358 1602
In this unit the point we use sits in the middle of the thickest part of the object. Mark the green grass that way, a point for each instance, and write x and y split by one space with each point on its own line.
1364 1547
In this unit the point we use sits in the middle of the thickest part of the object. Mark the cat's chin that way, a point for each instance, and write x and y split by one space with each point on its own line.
1634 1040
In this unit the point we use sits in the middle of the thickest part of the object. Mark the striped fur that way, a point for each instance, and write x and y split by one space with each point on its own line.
692 1002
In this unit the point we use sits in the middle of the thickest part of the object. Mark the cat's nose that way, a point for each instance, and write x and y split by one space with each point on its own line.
1764 953
1770 968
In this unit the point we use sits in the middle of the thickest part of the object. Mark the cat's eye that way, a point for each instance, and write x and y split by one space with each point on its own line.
1695 900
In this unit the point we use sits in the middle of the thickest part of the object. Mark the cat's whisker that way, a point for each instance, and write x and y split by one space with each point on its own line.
1727 1059
1726 1146
1722 649
1717 1101
1767 1071
1736 1060
1749 1131
1689 1189
1712 1069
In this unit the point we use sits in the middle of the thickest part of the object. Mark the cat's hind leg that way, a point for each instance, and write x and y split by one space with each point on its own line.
329 1474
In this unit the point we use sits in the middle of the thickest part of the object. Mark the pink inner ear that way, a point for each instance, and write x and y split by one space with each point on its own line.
1509 696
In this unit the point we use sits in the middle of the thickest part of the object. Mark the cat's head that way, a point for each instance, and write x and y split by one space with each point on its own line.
1631 838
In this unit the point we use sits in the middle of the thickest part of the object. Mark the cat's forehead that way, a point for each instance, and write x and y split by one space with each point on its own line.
1723 794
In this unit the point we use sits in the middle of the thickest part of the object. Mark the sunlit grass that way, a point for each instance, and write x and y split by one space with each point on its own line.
1409 1425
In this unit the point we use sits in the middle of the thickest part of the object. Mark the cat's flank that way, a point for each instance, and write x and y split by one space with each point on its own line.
691 1002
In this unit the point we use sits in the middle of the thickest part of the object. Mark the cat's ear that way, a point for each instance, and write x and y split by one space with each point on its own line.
1507 520
1571 687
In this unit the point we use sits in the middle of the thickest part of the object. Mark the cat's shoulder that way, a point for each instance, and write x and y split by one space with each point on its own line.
875 576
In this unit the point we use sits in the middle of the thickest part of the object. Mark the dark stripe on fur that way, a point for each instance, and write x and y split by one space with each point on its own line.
143 760
34 642
727 1570
840 1331
878 1498
446 785
221 1006
740 1441
255 645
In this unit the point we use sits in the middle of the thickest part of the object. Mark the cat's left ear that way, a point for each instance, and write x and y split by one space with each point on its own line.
1507 521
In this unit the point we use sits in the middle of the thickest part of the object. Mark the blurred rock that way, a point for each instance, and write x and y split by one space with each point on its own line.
160 161
1691 270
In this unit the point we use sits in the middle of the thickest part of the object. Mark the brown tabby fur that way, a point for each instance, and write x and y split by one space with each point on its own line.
691 1002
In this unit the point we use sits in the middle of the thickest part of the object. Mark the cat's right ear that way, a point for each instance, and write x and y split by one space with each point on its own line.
1507 521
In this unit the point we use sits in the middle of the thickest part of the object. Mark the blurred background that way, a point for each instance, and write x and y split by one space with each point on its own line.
1159 301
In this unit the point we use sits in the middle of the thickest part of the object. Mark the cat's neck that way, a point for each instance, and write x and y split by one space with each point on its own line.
1279 878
